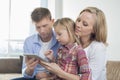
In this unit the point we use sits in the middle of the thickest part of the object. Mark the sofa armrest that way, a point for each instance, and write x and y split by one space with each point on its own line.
10 65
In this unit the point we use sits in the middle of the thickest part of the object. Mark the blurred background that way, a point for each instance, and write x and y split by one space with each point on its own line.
16 24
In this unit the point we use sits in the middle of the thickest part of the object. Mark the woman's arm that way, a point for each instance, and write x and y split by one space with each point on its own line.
97 61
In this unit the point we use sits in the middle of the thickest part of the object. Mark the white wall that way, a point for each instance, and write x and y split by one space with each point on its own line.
71 8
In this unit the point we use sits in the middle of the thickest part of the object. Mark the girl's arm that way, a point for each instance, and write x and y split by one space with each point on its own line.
54 68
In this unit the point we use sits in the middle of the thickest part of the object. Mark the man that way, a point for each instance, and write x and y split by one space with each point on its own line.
38 44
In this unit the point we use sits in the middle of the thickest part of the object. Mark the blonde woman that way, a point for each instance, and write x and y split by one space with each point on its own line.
92 30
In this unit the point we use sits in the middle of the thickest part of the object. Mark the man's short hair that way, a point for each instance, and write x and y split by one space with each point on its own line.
39 13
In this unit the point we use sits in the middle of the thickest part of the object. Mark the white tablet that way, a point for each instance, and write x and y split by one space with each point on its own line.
34 56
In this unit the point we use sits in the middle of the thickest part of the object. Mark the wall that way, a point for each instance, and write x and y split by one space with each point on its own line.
71 8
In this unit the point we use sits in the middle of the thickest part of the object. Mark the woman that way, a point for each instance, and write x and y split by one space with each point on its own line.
92 31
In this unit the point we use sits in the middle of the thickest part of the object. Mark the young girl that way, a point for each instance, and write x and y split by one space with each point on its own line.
72 62
92 30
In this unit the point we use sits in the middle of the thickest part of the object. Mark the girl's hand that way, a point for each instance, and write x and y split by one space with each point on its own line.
41 75
52 67
49 55
55 69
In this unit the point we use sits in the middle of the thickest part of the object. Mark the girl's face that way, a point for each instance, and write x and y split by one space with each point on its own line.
62 35
84 24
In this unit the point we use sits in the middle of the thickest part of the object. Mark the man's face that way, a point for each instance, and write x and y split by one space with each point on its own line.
44 28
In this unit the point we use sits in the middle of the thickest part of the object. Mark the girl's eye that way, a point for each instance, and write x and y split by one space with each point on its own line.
59 34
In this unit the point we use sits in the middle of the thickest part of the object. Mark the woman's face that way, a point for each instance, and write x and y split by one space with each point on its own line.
84 24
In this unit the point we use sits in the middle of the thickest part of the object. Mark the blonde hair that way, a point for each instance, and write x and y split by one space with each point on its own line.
100 27
69 25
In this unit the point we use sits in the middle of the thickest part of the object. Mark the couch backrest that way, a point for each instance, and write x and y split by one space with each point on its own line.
113 70
10 65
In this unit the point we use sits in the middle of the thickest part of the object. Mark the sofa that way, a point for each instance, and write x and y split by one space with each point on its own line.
113 70
11 68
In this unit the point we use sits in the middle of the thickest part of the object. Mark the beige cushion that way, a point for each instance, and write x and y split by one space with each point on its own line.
113 70
10 76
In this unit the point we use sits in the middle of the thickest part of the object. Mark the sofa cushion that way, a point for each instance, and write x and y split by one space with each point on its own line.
10 76
10 65
113 70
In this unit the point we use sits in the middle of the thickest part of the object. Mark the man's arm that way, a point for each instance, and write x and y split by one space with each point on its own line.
30 64
27 72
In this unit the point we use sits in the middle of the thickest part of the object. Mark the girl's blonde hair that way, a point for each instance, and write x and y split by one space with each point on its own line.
69 25
100 27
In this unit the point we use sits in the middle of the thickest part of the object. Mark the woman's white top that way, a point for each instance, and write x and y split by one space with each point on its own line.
96 54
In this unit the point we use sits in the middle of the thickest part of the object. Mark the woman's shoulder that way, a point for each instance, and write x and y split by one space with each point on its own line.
97 47
97 44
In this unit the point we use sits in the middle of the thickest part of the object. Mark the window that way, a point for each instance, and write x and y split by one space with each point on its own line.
15 25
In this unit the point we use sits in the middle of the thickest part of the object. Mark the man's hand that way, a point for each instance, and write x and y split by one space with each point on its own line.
30 63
